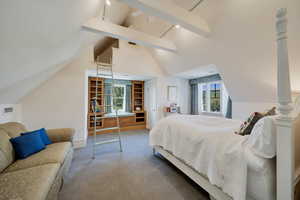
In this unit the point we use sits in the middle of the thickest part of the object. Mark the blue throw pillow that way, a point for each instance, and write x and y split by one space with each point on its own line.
26 145
43 135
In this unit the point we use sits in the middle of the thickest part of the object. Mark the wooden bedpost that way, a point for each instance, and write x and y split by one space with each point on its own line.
285 135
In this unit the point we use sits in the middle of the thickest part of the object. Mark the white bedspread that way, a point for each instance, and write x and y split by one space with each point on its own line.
210 147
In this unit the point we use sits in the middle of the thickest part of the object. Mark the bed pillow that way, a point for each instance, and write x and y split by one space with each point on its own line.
262 140
26 145
43 134
248 125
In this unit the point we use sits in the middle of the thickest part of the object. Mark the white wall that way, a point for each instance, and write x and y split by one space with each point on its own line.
15 116
135 60
242 110
183 94
61 101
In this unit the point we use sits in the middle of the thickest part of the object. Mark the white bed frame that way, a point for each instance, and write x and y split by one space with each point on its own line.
285 163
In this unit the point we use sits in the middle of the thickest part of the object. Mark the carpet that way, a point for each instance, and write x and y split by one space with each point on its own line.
134 174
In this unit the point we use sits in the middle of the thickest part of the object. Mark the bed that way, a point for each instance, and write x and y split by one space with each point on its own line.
196 140
230 166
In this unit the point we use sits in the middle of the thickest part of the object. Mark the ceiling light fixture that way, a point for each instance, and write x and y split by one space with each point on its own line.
108 2
177 26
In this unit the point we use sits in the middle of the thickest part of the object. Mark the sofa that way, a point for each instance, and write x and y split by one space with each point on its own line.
39 176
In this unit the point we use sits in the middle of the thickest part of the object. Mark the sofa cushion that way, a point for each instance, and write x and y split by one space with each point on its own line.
54 153
13 129
43 134
28 184
7 154
26 145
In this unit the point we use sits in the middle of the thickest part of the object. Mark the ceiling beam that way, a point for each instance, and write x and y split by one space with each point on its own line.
172 13
97 25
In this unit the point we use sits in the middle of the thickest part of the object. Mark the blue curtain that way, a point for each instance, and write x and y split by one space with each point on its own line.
128 98
206 79
194 99
229 109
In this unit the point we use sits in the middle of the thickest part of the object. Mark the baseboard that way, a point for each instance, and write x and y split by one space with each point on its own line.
127 128
79 144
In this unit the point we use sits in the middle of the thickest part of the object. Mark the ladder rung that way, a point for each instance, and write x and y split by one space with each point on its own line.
106 129
106 74
103 64
107 141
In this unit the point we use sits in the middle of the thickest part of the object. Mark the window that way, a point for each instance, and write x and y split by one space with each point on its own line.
119 98
210 97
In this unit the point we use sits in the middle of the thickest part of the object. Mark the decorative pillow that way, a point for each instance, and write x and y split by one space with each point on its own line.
270 112
43 134
248 125
26 145
262 141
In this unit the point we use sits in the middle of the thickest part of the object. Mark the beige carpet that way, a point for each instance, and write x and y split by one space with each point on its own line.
134 174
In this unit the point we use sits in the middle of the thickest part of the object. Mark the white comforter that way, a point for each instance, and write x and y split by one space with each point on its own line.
210 147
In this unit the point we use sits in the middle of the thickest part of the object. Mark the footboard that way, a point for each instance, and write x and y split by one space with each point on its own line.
214 191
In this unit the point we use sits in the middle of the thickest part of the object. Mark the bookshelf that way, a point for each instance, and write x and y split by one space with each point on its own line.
138 102
133 122
100 102
137 96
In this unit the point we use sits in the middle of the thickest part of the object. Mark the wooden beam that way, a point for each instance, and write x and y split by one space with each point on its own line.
119 32
172 13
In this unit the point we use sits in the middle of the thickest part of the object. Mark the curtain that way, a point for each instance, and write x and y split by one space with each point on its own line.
206 79
128 98
107 98
194 99
229 108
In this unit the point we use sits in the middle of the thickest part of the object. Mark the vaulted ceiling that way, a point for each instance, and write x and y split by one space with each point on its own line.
242 44
39 37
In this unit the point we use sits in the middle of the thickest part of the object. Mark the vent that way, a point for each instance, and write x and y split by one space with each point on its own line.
131 43
8 110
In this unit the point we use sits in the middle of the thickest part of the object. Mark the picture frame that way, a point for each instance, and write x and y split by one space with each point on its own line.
172 93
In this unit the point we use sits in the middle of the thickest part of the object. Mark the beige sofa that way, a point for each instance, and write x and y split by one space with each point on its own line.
40 176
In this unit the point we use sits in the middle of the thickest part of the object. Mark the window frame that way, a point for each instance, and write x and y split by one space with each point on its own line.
124 98
208 92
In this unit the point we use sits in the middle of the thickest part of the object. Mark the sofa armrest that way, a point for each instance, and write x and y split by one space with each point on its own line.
61 134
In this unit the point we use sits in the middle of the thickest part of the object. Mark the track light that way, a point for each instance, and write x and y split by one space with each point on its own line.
108 2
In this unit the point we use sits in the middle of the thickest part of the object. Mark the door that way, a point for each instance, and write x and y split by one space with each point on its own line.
151 103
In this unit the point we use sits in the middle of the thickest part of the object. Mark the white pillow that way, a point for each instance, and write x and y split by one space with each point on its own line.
262 140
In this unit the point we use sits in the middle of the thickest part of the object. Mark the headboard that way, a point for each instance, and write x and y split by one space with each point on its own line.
296 126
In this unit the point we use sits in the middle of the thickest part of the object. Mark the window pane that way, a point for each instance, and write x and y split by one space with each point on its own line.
119 91
118 98
215 100
118 104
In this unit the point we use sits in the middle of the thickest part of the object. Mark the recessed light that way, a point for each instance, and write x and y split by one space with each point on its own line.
177 26
108 2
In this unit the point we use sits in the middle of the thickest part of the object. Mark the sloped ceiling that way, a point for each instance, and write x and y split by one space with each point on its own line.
37 36
242 44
